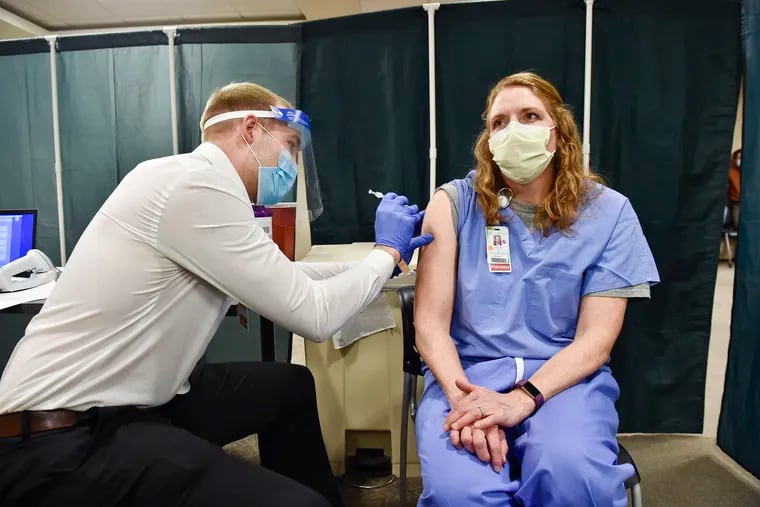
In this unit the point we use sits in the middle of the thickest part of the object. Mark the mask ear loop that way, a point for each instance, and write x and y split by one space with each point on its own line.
250 148
505 200
270 135
292 157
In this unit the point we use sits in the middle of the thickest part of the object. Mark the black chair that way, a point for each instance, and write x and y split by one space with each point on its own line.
413 369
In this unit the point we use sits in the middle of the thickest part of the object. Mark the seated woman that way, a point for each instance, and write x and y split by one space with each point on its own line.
519 402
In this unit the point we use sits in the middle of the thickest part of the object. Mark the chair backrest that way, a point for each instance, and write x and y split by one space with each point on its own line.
412 362
726 218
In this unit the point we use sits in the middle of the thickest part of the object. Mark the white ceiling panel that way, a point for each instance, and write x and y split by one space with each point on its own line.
8 31
67 9
35 11
267 8
200 19
56 15
72 12
196 8
138 10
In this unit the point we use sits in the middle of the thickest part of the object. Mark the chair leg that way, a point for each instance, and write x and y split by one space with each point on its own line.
728 250
636 495
413 398
405 402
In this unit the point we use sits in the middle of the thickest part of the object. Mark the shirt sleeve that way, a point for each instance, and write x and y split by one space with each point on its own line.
208 229
640 291
323 270
626 259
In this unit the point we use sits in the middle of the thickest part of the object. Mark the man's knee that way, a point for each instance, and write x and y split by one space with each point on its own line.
299 383
303 496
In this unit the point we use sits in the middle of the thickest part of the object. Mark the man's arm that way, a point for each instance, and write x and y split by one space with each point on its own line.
323 270
209 230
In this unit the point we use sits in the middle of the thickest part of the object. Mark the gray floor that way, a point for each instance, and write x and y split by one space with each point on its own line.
676 471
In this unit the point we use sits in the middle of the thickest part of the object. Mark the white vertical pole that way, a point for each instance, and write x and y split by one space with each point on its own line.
430 9
587 86
171 33
57 147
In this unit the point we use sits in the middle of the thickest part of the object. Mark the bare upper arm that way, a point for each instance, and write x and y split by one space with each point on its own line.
600 319
436 269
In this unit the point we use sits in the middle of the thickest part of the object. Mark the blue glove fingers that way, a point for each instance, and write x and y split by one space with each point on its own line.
419 241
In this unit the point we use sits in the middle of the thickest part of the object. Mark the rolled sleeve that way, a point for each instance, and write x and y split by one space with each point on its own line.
626 259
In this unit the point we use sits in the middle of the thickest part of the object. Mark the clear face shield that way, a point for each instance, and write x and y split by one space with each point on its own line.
298 121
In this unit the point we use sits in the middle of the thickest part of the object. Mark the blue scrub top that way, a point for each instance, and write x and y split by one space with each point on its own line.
532 312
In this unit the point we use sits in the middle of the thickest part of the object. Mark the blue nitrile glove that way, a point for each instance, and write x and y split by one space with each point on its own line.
396 225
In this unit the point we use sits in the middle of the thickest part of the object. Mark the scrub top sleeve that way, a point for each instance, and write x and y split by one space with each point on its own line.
626 259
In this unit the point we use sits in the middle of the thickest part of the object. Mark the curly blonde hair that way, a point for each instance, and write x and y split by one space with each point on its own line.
572 185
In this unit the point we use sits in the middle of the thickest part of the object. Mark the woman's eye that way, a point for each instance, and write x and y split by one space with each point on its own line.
531 117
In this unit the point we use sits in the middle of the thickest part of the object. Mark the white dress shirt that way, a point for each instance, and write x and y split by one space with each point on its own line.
150 280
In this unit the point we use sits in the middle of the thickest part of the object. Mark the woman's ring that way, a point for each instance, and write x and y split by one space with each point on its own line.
482 414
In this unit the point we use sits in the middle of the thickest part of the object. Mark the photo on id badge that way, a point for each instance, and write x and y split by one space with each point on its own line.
497 249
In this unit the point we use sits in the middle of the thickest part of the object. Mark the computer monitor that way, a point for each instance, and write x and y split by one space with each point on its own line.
18 233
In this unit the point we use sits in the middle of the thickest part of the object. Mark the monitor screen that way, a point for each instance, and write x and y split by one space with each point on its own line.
17 234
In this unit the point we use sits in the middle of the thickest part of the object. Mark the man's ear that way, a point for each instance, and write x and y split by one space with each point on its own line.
249 127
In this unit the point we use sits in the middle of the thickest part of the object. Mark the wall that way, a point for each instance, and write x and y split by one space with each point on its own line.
739 122
8 31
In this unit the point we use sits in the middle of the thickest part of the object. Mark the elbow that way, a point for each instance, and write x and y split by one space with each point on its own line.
317 334
599 357
321 337
321 330
423 343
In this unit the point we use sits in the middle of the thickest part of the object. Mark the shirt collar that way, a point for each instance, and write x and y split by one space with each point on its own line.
217 158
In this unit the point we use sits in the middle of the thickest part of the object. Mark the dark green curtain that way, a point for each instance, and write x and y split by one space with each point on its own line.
738 433
364 85
665 86
28 160
114 113
478 44
26 138
210 58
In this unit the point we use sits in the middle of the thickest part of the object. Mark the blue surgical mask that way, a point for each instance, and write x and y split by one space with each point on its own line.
275 182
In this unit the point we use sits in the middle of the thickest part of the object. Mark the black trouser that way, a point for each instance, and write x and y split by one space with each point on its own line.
171 455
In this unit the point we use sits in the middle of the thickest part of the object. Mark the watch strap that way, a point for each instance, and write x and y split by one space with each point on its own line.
532 391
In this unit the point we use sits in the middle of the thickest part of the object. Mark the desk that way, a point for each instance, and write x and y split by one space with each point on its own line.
34 307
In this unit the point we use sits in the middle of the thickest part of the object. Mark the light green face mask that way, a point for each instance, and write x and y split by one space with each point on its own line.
520 151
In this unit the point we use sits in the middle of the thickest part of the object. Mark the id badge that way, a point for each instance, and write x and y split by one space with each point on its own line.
497 249
242 312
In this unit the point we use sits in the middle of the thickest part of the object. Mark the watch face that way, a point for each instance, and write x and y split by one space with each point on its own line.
531 389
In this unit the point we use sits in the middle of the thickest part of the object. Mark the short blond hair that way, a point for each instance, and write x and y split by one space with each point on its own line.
237 97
